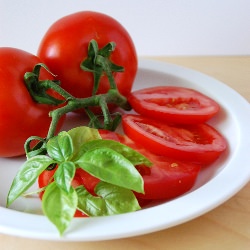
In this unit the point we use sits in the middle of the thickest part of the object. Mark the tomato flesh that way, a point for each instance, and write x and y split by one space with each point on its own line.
167 178
198 143
173 104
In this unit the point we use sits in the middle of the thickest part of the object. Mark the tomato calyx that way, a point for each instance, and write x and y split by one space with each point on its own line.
98 62
38 89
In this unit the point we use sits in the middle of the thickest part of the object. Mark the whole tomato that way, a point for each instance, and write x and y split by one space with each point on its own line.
65 46
20 116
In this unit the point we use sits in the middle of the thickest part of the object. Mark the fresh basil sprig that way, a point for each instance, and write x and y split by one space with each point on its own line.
82 147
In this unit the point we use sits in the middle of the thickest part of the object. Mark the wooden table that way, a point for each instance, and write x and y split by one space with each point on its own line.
226 227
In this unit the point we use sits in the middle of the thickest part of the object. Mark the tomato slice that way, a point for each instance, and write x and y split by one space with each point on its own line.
173 104
198 143
166 179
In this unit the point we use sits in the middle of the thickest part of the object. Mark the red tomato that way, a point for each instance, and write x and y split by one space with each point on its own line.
20 116
198 143
173 104
45 178
65 46
167 178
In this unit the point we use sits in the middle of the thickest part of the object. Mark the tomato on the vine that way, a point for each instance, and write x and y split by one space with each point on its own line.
173 104
20 116
199 143
65 46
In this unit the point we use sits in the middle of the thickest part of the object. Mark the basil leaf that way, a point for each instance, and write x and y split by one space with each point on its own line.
64 175
60 147
80 135
133 156
112 200
110 166
27 175
59 206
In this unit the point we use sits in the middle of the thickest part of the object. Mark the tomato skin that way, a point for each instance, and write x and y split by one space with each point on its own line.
65 44
173 104
198 143
20 116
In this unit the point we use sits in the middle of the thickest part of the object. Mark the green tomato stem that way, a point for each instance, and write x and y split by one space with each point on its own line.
112 96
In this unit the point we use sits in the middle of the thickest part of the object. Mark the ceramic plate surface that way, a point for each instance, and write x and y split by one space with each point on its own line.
214 185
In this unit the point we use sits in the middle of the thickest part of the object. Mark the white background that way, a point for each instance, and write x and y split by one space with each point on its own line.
158 27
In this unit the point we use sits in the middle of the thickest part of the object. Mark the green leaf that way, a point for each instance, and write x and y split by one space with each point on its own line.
27 175
133 156
110 166
59 206
107 50
116 68
112 200
64 175
60 147
80 135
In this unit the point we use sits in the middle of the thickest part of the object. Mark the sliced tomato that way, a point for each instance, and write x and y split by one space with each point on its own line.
198 143
166 179
173 104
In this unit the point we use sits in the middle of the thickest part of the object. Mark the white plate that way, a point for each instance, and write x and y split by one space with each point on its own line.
214 186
